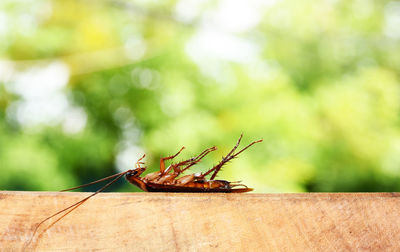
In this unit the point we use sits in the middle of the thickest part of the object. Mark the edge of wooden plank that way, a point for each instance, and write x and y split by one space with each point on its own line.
222 221
329 195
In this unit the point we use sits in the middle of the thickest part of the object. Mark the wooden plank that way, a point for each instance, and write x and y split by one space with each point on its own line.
210 222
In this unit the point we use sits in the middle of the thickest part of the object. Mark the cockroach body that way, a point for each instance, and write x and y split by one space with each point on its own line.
211 186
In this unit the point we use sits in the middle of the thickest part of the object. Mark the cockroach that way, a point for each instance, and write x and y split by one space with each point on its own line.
169 179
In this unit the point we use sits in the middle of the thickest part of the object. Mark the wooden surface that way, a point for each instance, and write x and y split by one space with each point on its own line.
203 222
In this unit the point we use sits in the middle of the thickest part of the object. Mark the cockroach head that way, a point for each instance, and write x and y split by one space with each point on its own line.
135 172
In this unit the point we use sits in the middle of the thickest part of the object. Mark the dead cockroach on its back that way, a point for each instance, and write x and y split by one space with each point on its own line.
169 179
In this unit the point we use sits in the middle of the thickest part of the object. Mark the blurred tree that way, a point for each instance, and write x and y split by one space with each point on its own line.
87 87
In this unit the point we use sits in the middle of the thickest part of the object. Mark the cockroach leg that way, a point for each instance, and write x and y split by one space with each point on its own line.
170 178
230 156
164 175
189 162
139 162
227 158
205 152
162 160
176 166
198 158
224 160
235 147
232 184
156 176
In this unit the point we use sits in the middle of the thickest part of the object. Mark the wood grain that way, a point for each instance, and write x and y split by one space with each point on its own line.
203 222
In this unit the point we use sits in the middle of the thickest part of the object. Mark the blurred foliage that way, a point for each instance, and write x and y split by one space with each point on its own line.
86 87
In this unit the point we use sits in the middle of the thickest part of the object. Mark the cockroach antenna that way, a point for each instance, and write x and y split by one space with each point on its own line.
77 204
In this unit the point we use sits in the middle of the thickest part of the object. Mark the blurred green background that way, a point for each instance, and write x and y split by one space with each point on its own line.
87 87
